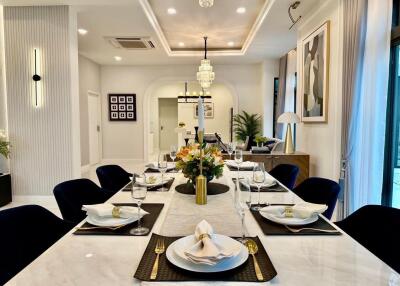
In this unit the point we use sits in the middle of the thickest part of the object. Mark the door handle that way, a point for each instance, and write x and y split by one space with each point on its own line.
98 128
162 128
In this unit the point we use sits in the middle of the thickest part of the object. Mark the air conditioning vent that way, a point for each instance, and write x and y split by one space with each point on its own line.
131 43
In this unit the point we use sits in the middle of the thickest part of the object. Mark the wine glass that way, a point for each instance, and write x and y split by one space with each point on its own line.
162 167
138 195
238 160
258 180
242 197
172 153
230 149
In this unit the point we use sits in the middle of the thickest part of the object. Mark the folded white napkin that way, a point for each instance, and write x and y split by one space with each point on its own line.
106 210
301 210
245 164
154 165
206 250
269 181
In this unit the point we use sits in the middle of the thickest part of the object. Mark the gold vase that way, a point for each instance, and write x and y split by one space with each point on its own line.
201 181
289 149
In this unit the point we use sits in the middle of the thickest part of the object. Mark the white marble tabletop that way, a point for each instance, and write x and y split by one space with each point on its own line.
299 260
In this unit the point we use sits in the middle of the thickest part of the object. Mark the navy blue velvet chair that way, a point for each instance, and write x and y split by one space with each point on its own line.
71 195
286 174
377 229
26 232
113 177
319 191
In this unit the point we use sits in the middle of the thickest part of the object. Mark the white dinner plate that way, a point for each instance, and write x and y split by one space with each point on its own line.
154 167
291 221
175 255
110 221
158 182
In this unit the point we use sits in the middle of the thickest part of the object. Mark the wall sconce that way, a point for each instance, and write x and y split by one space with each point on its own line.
36 78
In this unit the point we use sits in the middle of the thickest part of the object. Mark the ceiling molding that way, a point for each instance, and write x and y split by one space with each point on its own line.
239 52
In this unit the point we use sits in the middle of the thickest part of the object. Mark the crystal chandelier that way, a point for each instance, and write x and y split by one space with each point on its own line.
206 3
205 75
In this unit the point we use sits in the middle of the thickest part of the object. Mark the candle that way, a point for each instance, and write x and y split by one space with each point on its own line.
201 114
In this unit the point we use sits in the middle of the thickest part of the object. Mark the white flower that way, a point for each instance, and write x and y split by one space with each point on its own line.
3 135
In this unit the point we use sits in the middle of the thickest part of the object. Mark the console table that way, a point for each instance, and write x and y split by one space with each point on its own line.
5 189
300 159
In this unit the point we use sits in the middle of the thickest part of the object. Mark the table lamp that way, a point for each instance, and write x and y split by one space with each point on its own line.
288 117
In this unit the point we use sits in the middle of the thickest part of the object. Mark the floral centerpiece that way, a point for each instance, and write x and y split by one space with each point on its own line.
189 162
4 144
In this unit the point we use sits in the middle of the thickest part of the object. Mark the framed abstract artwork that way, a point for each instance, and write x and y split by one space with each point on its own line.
122 107
315 75
208 110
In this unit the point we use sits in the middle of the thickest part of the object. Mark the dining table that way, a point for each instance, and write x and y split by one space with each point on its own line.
298 259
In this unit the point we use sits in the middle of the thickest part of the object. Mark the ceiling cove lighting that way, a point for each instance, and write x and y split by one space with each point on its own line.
205 75
206 3
181 44
82 31
231 44
36 78
118 58
241 10
171 11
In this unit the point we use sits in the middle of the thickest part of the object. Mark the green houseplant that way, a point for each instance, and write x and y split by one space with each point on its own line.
4 144
246 124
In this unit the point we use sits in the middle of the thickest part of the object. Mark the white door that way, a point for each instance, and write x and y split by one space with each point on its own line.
168 116
94 115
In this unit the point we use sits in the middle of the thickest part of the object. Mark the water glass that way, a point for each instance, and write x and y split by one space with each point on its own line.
162 167
172 153
139 195
230 149
258 180
238 160
242 197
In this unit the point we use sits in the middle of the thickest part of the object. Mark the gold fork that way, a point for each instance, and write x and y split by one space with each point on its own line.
295 230
160 248
99 227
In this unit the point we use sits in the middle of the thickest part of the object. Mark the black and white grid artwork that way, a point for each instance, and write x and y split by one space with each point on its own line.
122 107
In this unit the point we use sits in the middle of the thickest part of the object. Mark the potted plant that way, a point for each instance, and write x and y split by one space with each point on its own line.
261 140
5 179
4 145
246 124
189 162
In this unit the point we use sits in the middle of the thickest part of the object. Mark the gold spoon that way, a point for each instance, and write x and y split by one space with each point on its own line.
253 249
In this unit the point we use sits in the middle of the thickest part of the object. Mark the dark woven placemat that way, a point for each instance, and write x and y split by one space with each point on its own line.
271 228
232 168
212 189
273 189
148 221
167 186
169 272
153 170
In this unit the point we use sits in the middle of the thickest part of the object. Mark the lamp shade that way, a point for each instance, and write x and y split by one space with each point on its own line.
288 117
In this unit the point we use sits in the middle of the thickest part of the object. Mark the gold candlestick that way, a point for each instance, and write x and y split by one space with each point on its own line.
201 181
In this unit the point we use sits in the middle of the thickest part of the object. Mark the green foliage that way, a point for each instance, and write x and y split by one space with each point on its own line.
246 124
261 139
4 148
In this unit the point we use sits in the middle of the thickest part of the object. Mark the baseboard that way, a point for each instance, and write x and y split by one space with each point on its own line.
85 168
110 161
33 198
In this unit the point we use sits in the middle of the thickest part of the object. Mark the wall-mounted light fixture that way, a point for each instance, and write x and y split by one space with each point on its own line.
36 78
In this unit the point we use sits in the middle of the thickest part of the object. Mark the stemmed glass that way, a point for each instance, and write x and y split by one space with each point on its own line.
138 195
230 148
242 197
258 180
162 167
238 160
172 153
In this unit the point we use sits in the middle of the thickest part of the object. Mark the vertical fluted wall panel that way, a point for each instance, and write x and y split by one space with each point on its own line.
41 137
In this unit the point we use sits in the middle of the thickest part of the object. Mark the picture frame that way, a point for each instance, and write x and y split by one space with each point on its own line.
315 53
208 110
122 107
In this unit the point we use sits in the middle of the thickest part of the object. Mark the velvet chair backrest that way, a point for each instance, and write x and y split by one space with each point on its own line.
113 177
377 229
319 191
286 174
71 195
26 232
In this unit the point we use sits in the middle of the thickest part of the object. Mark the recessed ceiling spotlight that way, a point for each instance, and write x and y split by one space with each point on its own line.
118 58
181 44
82 31
171 11
231 44
241 10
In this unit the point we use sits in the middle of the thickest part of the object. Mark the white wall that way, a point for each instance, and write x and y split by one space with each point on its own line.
89 80
3 99
269 69
322 140
125 140
45 140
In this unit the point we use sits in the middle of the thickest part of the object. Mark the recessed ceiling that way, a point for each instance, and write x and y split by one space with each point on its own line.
191 23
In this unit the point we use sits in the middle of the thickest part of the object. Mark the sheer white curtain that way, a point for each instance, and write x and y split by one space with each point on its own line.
368 113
